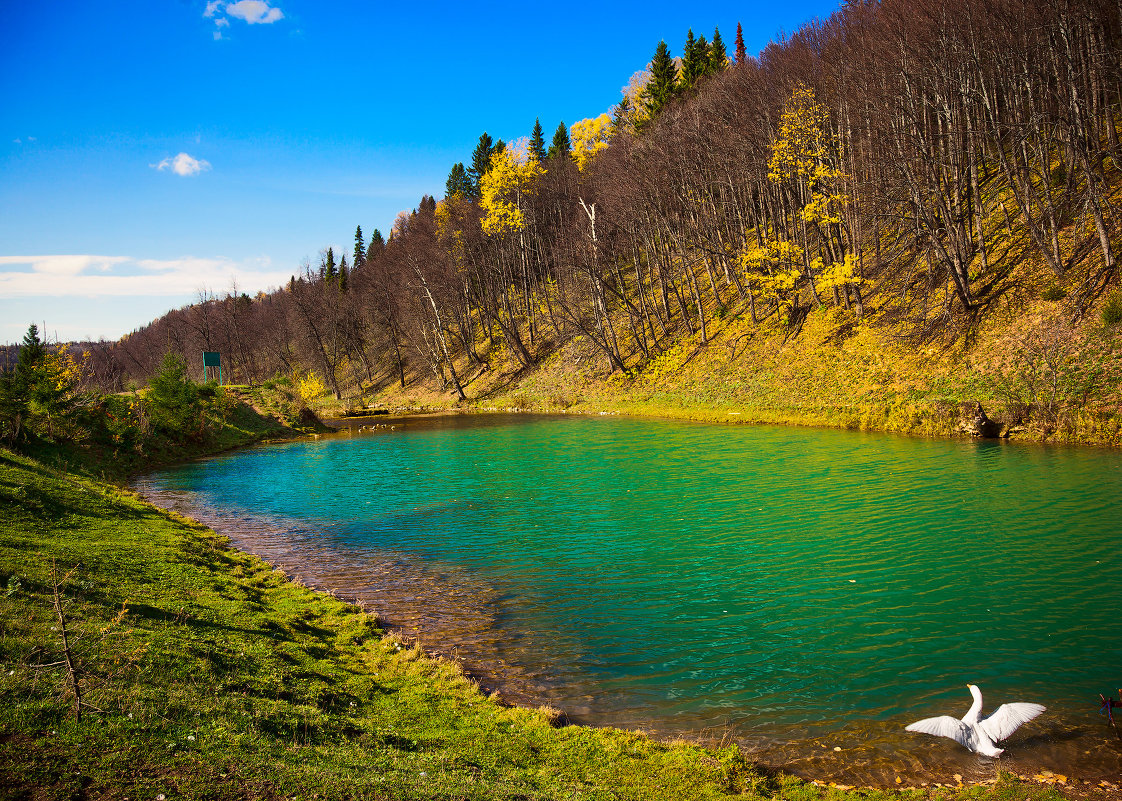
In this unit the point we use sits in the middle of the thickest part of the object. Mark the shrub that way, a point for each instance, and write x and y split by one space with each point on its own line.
174 402
1053 292
1112 309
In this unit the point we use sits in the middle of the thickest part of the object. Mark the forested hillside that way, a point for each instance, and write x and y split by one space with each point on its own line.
921 195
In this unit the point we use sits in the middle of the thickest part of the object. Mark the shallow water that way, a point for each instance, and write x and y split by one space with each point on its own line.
799 590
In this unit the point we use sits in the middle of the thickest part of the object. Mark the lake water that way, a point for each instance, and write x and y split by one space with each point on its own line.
805 592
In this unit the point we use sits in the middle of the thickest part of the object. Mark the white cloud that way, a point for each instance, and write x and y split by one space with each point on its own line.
254 11
121 276
182 164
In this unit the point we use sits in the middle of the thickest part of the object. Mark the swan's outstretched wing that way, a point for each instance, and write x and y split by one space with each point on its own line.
943 726
1008 718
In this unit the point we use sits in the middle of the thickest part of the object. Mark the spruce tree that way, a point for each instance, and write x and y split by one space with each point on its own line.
741 53
718 58
360 248
560 146
480 162
344 273
174 404
17 386
663 83
689 62
458 182
328 270
537 142
377 244
695 60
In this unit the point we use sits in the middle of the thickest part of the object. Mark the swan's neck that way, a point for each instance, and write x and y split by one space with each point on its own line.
971 717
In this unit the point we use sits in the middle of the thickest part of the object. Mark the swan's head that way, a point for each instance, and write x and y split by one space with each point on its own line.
974 691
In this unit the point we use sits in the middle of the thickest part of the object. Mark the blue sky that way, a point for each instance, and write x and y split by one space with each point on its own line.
150 149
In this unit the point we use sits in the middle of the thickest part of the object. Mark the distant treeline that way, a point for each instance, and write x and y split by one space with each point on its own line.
904 160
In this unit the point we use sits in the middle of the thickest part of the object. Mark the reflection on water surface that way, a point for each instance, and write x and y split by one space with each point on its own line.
800 590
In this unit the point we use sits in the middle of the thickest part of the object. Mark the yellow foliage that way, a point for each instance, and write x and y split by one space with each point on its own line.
837 274
589 137
63 370
512 174
309 387
803 145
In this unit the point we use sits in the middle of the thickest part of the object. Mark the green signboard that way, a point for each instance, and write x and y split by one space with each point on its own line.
212 360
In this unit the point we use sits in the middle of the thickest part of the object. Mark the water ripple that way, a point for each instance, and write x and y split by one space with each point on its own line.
801 590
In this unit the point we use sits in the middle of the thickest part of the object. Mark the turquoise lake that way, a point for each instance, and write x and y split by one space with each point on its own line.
806 592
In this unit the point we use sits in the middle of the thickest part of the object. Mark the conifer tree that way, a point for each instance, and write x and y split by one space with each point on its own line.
458 182
718 58
377 244
537 142
31 352
328 270
663 83
480 162
741 53
360 248
344 273
695 60
560 146
174 404
690 71
17 385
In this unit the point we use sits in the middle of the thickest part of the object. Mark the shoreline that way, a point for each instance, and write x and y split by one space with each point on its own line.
816 767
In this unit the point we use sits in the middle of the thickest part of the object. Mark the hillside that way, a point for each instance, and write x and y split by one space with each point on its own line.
814 235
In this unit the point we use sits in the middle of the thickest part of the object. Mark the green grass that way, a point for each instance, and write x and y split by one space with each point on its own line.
209 675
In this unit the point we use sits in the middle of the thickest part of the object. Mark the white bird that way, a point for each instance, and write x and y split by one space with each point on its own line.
979 736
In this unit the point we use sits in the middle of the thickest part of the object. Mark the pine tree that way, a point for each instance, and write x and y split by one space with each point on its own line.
458 182
690 70
174 404
663 83
31 352
741 53
695 60
360 248
377 244
480 162
17 385
428 205
344 273
560 146
537 142
718 58
328 270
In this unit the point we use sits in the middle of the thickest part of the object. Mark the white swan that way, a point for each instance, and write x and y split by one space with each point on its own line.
979 735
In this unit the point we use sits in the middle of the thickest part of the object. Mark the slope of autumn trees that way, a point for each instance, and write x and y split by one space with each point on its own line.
903 161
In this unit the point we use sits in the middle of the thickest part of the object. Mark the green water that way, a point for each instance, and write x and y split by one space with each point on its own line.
789 584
